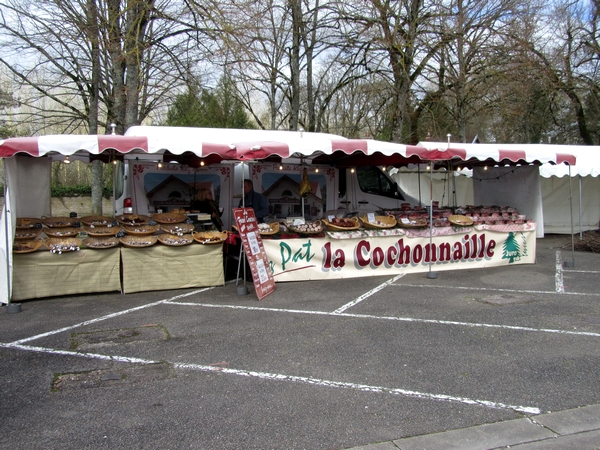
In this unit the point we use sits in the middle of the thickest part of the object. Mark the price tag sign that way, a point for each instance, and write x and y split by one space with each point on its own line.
253 243
264 284
371 217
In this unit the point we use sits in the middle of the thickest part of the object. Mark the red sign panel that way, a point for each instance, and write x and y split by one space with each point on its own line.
264 284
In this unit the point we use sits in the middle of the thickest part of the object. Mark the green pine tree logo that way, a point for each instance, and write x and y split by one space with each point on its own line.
511 249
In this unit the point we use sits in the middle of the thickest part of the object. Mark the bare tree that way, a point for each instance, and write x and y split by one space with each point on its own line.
402 38
474 59
91 63
560 47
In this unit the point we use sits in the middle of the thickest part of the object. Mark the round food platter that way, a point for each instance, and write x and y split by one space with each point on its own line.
96 220
463 221
27 246
100 231
138 241
413 223
168 218
99 243
175 240
62 232
62 245
342 224
59 222
27 234
209 237
178 228
308 228
24 223
141 230
381 222
133 220
268 229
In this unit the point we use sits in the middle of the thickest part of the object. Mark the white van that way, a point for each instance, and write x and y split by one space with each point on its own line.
146 186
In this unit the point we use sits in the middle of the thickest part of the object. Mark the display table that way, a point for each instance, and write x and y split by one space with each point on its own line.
364 253
161 267
44 274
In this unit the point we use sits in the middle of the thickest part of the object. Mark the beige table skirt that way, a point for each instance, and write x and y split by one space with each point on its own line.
44 274
161 267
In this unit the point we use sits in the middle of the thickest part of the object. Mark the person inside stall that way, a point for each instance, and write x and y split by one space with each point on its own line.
254 200
205 204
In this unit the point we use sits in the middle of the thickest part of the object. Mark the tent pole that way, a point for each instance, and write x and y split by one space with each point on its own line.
572 262
5 217
580 208
419 181
243 289
453 175
430 274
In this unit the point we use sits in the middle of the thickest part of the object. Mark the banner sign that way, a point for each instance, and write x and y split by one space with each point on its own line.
255 252
323 258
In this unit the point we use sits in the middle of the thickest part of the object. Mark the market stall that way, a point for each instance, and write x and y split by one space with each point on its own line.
27 195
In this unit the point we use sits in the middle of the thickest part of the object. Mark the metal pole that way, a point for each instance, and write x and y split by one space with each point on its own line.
5 216
430 274
580 207
572 262
419 181
243 289
453 175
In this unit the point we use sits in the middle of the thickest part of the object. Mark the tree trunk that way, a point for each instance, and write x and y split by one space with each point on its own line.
97 166
295 63
116 111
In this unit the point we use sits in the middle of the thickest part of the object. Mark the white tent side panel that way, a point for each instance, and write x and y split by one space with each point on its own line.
27 195
557 212
418 186
511 186
32 191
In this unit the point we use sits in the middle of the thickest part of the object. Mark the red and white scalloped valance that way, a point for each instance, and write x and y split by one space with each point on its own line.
254 145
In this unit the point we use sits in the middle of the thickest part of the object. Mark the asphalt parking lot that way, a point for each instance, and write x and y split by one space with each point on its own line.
316 365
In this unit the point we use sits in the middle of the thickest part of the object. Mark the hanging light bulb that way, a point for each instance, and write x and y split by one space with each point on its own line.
67 160
160 165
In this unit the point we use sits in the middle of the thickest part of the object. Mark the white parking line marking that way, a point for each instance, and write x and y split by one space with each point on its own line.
400 319
283 377
367 294
517 291
109 316
558 277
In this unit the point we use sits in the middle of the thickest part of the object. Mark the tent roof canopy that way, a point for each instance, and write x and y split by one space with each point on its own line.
194 146
511 154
